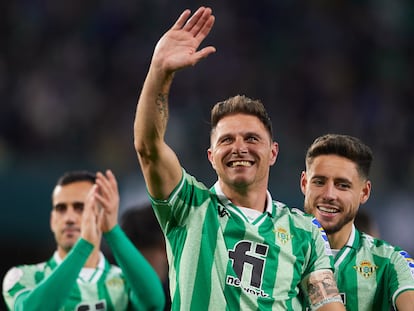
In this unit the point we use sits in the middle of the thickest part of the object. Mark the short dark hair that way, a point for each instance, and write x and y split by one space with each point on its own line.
75 176
141 226
244 105
345 146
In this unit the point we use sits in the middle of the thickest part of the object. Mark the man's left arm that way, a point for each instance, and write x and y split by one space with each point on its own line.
140 275
405 301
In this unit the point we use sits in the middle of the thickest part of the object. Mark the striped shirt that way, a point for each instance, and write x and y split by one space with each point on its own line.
64 285
371 273
220 259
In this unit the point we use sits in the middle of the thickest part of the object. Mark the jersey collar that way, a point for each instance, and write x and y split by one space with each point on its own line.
225 201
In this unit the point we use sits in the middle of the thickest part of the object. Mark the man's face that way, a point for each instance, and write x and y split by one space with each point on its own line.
65 220
242 151
333 191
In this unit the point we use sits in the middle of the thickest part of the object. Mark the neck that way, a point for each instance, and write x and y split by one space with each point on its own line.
339 239
254 199
91 262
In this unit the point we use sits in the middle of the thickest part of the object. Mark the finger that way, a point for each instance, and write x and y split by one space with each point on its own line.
103 185
181 20
89 207
203 53
113 184
205 28
196 18
202 19
100 218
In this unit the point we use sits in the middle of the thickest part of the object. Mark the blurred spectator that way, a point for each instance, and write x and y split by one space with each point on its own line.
142 228
365 222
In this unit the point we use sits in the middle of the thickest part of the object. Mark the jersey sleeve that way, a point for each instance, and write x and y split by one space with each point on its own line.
401 275
147 291
186 196
320 261
321 256
22 291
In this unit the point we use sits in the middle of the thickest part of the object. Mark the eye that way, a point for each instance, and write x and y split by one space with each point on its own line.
252 138
226 140
343 185
78 207
60 207
318 182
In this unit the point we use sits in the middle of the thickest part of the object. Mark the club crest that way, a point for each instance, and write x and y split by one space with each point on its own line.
366 268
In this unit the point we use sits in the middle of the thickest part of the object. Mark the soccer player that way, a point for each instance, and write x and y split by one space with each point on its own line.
77 276
230 247
370 273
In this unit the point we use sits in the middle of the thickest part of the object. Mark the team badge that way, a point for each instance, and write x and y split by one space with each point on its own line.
366 268
282 235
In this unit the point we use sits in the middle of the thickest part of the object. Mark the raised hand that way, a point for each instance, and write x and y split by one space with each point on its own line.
177 48
107 198
91 230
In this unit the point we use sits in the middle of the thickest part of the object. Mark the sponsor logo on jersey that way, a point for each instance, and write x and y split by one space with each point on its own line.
366 268
409 260
248 261
91 306
282 235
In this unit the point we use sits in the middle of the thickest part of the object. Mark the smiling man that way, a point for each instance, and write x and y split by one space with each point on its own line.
370 273
230 247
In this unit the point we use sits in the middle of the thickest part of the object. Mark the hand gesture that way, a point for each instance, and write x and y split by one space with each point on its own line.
91 227
178 46
107 198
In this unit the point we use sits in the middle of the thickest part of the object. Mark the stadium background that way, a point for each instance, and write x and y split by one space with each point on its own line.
71 71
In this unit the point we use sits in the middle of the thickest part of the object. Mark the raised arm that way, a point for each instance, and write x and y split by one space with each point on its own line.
176 49
147 292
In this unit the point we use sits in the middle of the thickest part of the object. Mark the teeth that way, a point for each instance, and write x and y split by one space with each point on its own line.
327 210
240 163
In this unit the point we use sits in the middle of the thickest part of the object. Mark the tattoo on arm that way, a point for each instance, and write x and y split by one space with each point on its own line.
322 287
162 104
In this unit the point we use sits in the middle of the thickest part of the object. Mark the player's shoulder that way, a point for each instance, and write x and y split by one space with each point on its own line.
28 267
296 215
294 212
380 247
16 273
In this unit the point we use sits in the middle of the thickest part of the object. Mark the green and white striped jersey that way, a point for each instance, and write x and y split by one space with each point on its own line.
222 260
371 273
102 288
64 285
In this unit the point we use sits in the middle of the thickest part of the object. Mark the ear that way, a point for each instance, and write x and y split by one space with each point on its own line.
210 157
275 152
365 192
303 182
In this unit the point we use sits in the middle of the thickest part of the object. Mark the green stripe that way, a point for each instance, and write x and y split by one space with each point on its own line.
202 287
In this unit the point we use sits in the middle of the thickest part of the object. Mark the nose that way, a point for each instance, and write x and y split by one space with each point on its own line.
329 191
71 215
239 146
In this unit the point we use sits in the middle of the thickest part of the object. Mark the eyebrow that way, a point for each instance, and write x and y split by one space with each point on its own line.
336 179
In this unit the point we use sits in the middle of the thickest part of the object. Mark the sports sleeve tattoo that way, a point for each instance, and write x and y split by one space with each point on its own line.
321 288
161 102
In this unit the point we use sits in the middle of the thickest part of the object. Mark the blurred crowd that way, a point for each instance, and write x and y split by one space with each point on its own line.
71 71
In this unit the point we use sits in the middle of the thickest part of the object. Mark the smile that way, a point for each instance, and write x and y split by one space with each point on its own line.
243 163
327 209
